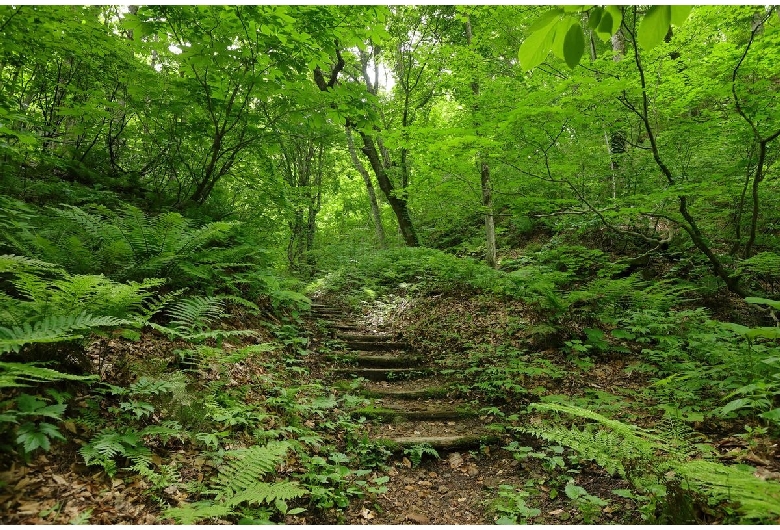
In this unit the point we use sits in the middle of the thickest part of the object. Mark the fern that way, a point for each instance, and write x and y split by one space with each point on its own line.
21 374
54 329
758 499
104 448
240 481
646 458
246 467
197 511
196 313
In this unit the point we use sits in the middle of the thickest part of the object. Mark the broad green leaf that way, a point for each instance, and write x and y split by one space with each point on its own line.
574 45
561 30
623 334
604 30
536 48
574 9
595 17
616 12
545 20
774 304
765 333
736 328
679 14
737 404
654 27
772 415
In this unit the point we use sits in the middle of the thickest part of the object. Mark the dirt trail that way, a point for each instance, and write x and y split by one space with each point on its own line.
410 406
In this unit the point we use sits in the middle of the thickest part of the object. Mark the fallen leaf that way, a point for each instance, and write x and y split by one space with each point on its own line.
70 426
366 514
59 479
417 518
455 460
406 463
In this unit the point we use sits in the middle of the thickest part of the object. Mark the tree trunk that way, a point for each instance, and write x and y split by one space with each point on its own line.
398 204
375 215
397 201
484 175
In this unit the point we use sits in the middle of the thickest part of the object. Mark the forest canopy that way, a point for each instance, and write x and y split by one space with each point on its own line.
198 174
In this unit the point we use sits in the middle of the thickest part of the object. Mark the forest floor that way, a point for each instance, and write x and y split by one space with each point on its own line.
469 485
462 485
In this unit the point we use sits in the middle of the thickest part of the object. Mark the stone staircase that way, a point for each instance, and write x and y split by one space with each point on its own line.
409 401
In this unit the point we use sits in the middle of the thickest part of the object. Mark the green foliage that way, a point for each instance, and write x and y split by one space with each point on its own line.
559 30
655 463
25 420
107 446
512 507
241 481
192 317
418 451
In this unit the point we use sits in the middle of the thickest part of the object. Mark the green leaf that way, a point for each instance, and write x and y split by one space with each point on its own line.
654 27
535 48
609 23
604 30
679 14
561 30
616 12
772 415
765 333
623 334
574 45
545 20
595 17
29 404
736 404
774 304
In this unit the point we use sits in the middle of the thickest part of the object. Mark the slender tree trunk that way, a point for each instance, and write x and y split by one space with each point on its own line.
375 215
397 203
484 174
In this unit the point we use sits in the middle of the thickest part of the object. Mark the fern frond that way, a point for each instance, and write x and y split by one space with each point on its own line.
264 493
54 329
14 263
242 302
756 498
246 467
19 374
196 313
638 455
197 511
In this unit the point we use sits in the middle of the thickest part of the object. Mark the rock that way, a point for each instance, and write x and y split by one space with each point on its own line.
417 518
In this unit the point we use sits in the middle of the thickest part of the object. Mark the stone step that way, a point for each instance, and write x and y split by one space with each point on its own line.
375 391
367 360
390 414
339 326
383 374
365 337
321 313
374 346
443 443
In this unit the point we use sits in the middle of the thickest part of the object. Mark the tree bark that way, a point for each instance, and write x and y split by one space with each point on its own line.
484 174
397 203
375 215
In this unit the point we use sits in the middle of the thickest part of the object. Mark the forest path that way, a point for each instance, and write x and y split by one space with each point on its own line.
411 412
